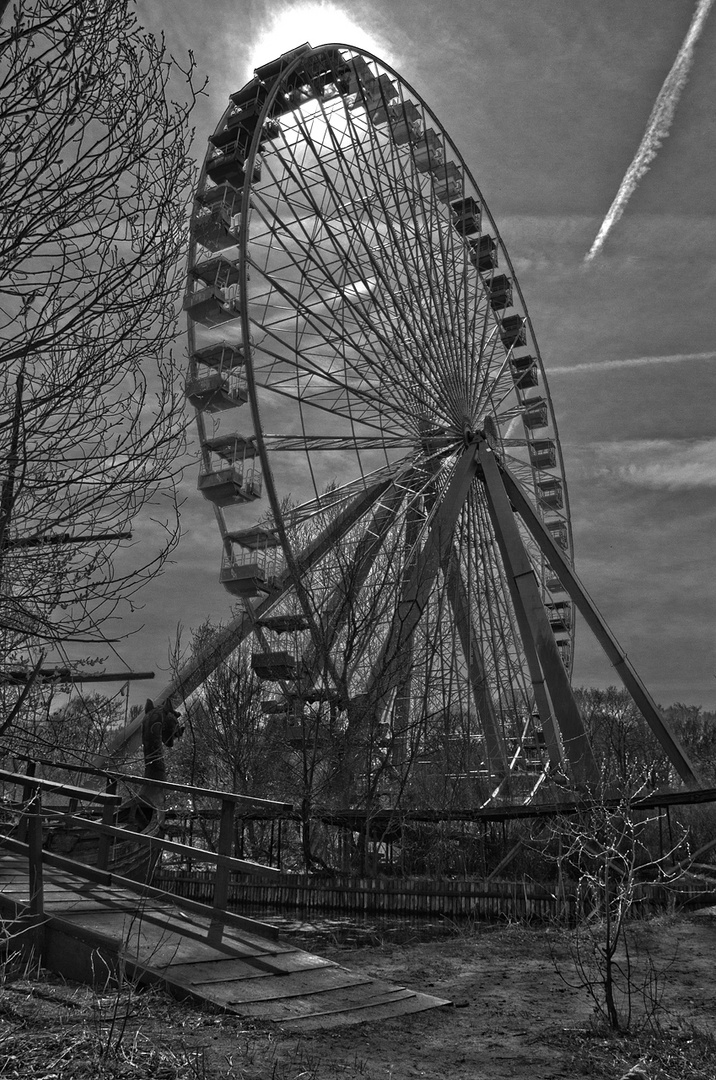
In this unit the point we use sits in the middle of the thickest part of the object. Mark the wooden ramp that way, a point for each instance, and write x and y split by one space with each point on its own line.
91 929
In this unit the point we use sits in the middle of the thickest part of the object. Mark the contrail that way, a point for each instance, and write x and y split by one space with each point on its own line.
632 361
657 127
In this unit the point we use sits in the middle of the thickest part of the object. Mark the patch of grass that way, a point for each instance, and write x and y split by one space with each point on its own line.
49 1031
685 1053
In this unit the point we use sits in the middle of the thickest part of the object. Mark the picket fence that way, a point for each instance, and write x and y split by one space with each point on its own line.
411 897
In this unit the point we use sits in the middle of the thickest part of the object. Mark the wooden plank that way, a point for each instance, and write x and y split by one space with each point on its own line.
61 906
16 888
366 1014
170 916
145 890
144 932
10 868
208 973
161 956
172 948
295 985
224 970
339 1001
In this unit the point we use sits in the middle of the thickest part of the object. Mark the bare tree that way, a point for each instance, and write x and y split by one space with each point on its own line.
93 191
606 854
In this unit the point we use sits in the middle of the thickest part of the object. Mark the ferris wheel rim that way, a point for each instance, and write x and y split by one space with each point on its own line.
259 433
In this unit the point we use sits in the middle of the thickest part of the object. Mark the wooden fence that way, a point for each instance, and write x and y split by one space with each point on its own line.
411 897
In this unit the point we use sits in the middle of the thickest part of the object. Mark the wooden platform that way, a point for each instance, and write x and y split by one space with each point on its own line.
91 929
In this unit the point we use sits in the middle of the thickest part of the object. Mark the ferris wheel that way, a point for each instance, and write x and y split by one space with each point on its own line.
378 441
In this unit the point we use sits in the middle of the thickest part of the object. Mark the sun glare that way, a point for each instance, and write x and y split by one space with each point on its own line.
290 25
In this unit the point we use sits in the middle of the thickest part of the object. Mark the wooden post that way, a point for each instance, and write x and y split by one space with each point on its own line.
107 819
33 810
27 790
221 886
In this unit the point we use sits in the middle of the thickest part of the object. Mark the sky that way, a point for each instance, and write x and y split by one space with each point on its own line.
548 102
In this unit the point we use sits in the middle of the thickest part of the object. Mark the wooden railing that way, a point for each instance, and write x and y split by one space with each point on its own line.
29 839
30 835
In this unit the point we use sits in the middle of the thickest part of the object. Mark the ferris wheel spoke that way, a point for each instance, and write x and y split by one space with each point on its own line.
337 442
395 245
365 262
348 599
394 251
469 641
338 334
305 380
409 607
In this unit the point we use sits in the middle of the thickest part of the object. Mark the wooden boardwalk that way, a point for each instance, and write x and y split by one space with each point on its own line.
91 929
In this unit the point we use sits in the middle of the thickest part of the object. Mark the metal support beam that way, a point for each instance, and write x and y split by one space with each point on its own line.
337 608
520 571
401 706
389 667
460 605
544 705
594 620
192 674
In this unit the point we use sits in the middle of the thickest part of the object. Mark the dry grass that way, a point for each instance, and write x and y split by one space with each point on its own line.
684 1054
54 1030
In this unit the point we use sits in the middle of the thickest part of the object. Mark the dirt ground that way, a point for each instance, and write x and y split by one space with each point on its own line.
512 1017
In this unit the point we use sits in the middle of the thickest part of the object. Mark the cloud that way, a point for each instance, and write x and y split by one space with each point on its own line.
629 362
289 24
658 464
657 127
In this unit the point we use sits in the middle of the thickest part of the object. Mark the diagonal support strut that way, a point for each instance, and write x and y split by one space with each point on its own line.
594 620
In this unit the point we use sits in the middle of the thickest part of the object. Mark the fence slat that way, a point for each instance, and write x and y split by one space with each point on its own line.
410 897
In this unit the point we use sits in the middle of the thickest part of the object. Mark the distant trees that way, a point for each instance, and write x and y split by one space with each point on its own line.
224 745
93 190
696 728
71 731
626 749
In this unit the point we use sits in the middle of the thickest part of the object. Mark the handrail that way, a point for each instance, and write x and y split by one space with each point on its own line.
33 811
90 770
31 823
107 878
57 788
192 789
207 793
245 866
